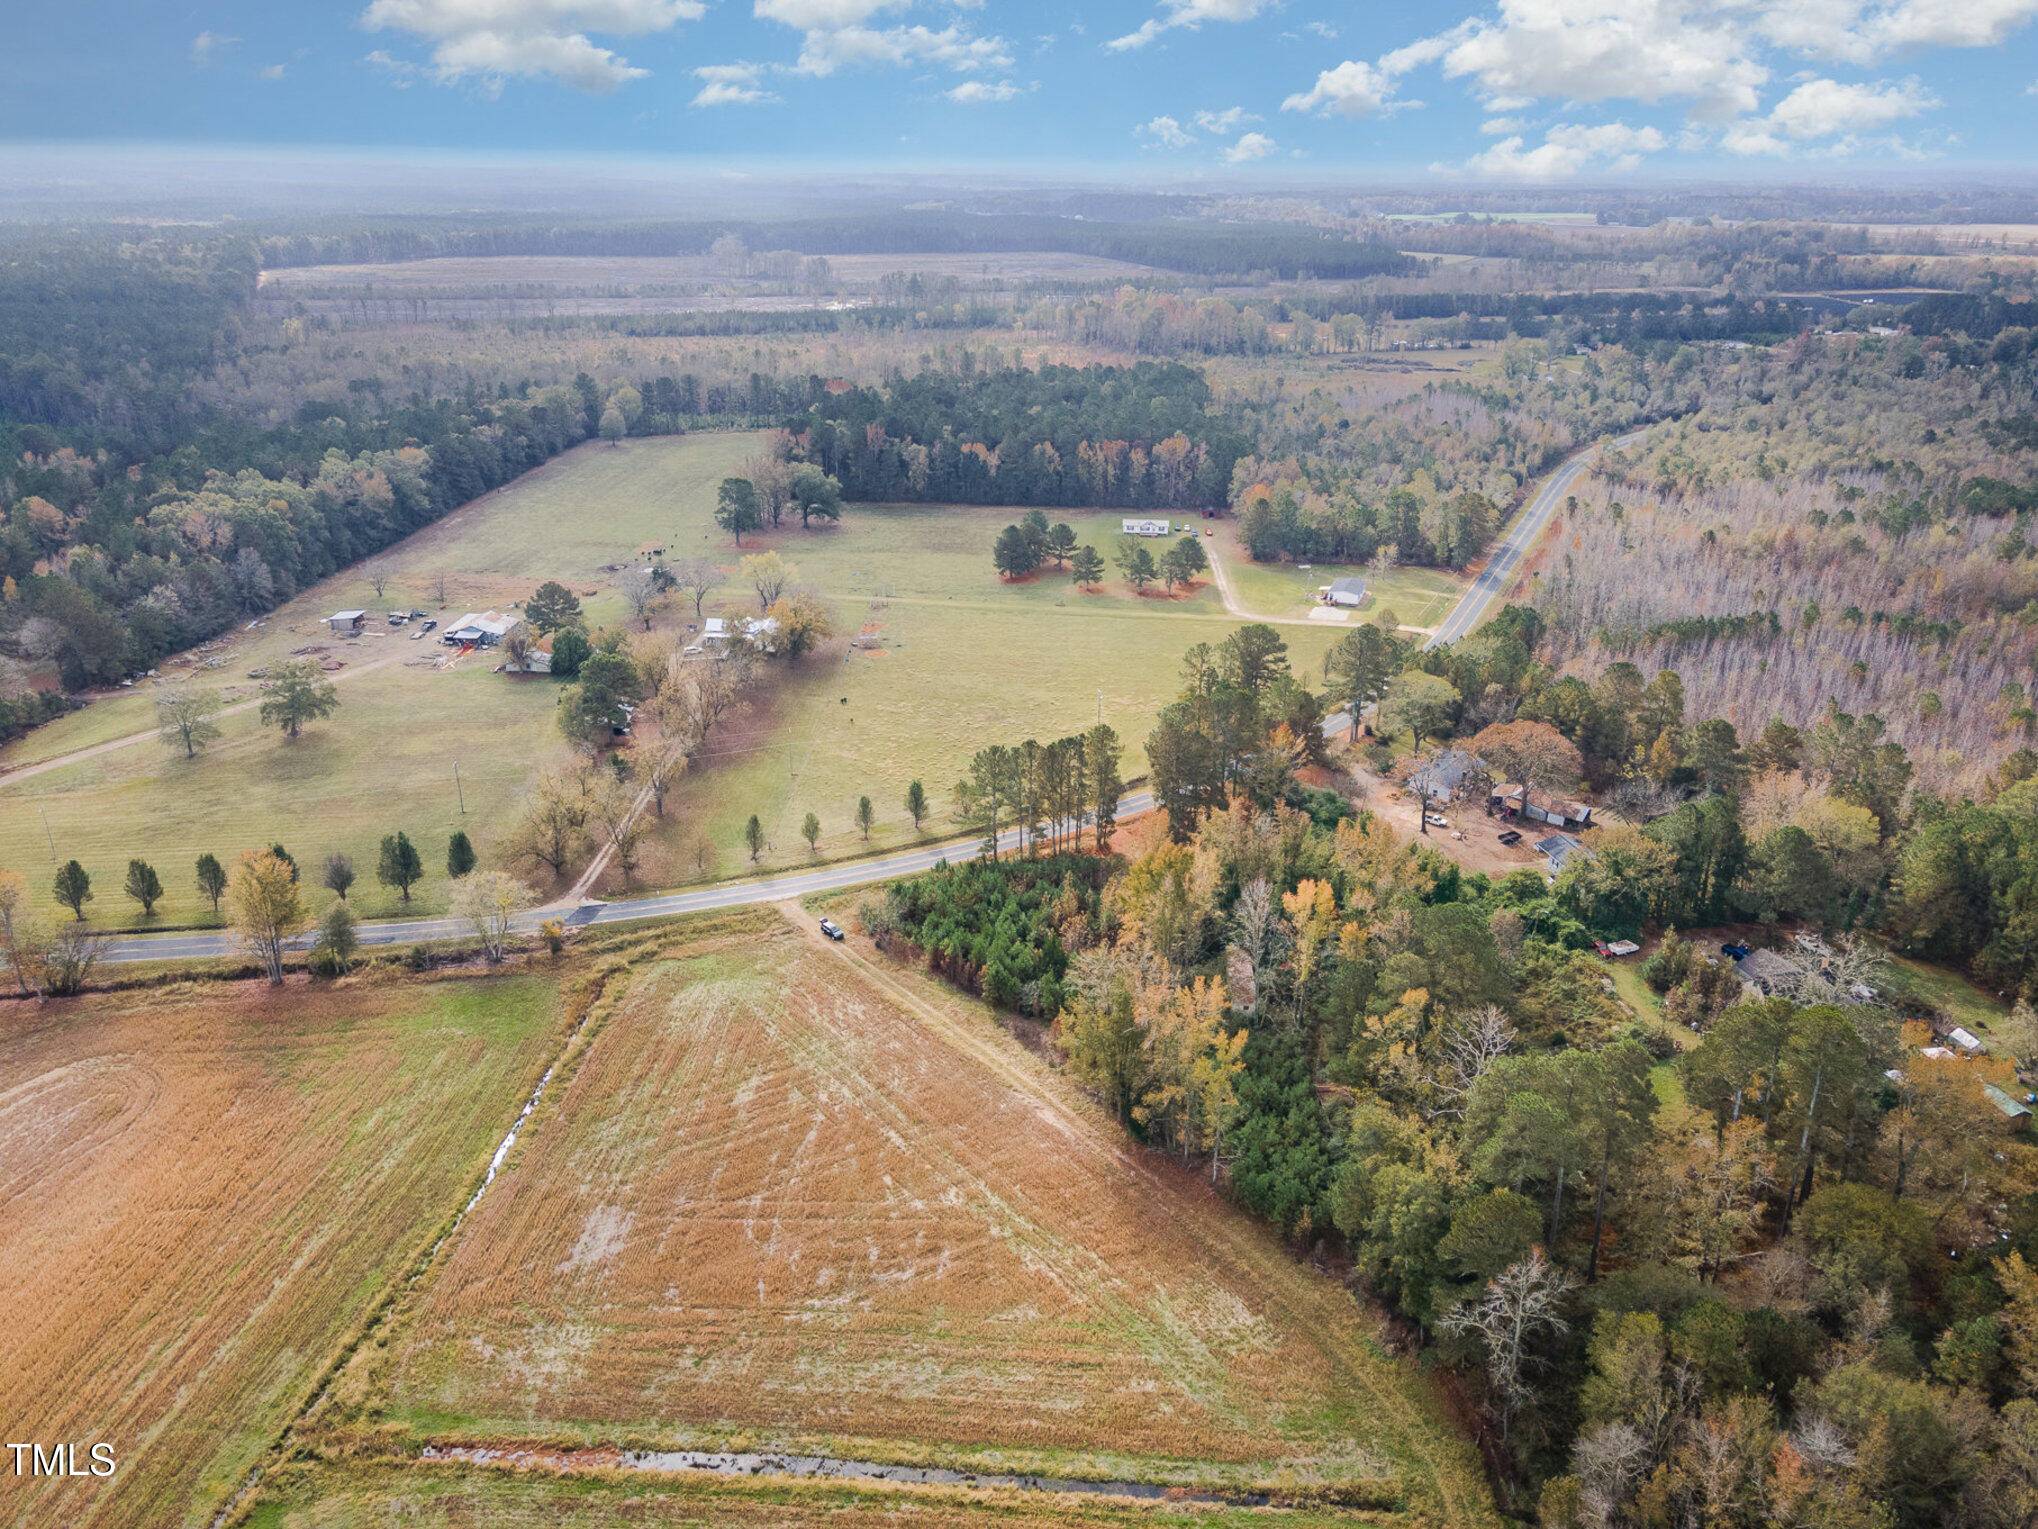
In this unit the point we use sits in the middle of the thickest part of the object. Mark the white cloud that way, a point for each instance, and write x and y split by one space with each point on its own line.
1163 133
1354 88
1249 147
1862 31
402 72
1222 122
983 92
1186 13
1604 50
1567 150
953 47
1321 29
838 34
207 46
731 85
1492 127
270 72
1824 109
493 40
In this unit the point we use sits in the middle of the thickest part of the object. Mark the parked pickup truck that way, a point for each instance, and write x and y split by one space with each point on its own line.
831 929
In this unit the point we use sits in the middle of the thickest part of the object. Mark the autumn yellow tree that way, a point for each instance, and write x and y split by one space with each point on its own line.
263 907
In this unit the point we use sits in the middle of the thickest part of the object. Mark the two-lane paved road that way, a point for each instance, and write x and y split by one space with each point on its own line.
206 945
1505 559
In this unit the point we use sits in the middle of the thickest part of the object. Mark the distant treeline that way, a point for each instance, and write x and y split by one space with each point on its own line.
1134 436
1614 317
1284 250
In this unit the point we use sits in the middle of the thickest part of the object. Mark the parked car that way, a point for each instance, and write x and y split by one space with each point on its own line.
397 618
1510 836
831 929
1436 820
428 626
1735 952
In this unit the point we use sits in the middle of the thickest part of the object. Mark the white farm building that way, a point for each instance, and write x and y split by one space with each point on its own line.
1145 527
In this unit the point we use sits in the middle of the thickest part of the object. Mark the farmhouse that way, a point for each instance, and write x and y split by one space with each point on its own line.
484 629
346 623
1513 801
1145 527
718 636
1442 778
1346 591
535 659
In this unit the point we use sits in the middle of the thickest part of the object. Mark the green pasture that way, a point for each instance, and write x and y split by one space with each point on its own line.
961 659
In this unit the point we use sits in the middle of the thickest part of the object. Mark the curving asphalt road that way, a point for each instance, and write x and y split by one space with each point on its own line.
1491 584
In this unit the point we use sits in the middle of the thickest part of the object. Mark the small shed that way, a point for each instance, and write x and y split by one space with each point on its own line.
1514 801
1968 1042
2015 1112
1562 850
1346 591
347 623
1769 973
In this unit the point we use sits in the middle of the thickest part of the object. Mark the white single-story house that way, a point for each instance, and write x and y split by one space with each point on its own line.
717 635
482 628
346 623
1509 801
537 658
1145 527
1346 591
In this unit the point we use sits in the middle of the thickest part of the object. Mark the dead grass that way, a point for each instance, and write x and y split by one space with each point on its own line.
790 1196
202 1192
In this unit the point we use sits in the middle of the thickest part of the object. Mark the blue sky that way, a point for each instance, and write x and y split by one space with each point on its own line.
1540 91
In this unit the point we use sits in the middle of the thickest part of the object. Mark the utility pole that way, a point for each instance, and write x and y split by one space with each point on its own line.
458 789
47 834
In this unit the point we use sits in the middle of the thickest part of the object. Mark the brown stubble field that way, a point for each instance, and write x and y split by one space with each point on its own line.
203 1191
792 1195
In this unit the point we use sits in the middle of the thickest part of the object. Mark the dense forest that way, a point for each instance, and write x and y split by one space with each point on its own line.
1056 435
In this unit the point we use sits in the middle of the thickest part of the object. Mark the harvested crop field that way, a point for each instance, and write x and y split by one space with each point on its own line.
202 1192
791 1196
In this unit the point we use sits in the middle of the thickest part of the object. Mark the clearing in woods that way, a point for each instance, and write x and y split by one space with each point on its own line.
793 1196
202 1192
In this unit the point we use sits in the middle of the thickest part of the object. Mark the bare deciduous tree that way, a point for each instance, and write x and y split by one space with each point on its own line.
1521 1310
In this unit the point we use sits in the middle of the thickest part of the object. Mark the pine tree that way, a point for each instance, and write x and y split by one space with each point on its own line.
459 854
144 886
398 865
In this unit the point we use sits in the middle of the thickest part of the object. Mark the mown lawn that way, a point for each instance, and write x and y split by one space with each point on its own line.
1415 597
